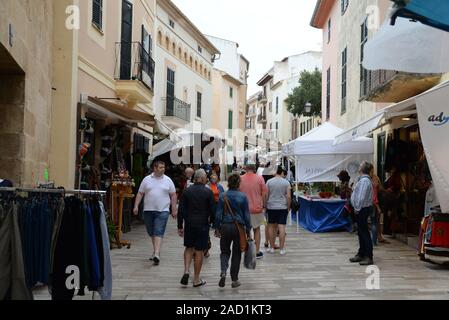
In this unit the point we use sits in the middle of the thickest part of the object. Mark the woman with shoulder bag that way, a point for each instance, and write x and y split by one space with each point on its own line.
232 226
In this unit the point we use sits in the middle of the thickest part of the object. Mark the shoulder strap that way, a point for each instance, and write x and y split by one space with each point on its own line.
228 207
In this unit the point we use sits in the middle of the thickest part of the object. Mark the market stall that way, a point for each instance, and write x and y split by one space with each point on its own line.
319 160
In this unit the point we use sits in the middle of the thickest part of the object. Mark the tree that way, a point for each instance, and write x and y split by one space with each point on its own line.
309 90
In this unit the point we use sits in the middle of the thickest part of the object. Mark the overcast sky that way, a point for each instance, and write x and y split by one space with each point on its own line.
266 30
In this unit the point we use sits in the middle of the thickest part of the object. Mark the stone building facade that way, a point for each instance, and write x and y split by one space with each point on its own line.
25 89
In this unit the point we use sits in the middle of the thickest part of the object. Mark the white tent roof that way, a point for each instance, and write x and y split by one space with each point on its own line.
321 141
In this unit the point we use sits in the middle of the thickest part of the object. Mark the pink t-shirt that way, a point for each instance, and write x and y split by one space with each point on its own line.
253 186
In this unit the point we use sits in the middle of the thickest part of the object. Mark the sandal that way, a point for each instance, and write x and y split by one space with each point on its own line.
185 279
201 284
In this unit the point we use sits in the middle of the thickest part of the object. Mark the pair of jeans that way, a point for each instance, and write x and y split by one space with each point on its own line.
12 273
156 223
105 291
365 241
374 226
230 245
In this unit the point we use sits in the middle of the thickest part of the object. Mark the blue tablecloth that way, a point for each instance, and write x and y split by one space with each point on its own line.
323 216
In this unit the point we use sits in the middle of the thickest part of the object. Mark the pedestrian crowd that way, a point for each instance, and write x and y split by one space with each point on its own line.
252 200
236 215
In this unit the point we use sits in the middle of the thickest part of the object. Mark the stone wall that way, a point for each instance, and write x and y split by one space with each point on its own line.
25 100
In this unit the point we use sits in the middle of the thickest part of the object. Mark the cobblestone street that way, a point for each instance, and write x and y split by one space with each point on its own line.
315 267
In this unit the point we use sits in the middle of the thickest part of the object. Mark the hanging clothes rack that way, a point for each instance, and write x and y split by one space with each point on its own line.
55 191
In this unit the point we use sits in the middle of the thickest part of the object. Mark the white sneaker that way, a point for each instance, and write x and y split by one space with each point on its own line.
283 252
271 251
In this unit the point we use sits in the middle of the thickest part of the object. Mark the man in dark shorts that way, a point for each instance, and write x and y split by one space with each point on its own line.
278 206
195 211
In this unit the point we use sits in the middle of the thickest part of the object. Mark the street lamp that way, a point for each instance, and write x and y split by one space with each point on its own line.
308 108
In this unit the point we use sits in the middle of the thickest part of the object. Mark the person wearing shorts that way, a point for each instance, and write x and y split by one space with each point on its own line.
278 206
253 186
196 208
158 192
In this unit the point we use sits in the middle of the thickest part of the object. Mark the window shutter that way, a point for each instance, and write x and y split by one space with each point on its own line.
97 13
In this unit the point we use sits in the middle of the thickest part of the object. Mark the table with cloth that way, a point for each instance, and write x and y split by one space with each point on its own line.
322 215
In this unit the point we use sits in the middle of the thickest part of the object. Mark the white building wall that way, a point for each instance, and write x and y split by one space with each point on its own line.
185 77
288 73
229 60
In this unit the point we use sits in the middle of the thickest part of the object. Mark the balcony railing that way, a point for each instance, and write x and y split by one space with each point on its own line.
393 86
374 80
262 118
133 62
262 97
177 108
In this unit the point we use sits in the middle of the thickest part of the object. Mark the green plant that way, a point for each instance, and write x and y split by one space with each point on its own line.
308 91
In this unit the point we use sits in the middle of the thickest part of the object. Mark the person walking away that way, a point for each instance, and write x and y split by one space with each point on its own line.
278 206
216 189
362 201
253 186
159 193
226 229
196 208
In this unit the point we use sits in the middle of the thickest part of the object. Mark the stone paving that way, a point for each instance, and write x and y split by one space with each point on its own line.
315 267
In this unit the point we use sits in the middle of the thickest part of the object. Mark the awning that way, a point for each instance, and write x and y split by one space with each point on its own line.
404 108
433 13
401 109
408 46
120 112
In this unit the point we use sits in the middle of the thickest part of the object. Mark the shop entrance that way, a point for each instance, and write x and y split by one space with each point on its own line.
12 106
408 179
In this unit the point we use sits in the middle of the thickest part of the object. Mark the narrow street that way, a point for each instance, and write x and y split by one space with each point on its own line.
315 267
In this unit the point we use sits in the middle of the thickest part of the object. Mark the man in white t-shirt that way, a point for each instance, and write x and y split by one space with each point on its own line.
159 193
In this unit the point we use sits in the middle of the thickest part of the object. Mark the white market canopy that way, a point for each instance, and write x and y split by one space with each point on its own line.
319 159
408 46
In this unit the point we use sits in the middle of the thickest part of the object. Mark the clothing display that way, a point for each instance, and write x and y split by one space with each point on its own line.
45 234
81 243
12 273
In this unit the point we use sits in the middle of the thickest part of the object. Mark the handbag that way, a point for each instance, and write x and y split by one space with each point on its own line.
250 260
240 228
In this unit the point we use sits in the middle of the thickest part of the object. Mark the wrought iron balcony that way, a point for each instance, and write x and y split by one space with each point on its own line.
262 98
177 108
133 62
392 86
262 118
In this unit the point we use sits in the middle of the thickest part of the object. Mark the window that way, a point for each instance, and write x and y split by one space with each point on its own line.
199 97
365 75
344 6
170 93
172 23
344 60
276 134
147 41
302 130
329 26
328 95
295 129
277 105
231 92
230 118
200 50
97 13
